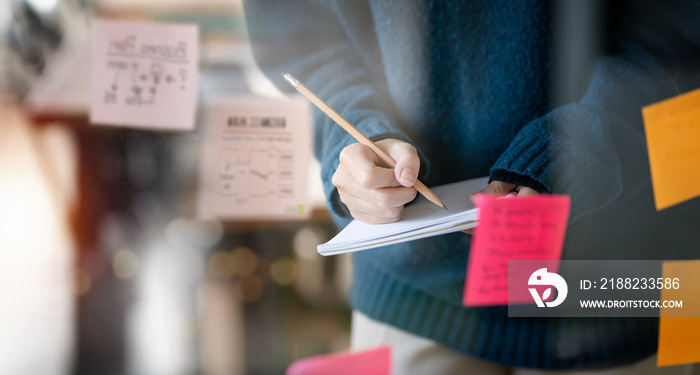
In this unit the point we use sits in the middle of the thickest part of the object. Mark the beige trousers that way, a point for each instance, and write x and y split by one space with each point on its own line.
417 355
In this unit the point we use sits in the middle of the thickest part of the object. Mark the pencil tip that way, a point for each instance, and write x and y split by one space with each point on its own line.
445 207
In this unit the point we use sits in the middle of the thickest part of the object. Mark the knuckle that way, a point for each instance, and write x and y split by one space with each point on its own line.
342 158
354 148
407 148
343 198
335 180
347 152
406 151
369 219
359 216
381 220
376 220
365 179
404 196
384 200
412 193
490 189
393 212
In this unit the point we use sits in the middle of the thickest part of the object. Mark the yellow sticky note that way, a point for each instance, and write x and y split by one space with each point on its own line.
679 328
673 140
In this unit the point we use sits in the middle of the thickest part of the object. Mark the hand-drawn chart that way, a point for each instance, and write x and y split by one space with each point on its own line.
258 168
285 164
228 165
259 174
144 74
261 147
137 83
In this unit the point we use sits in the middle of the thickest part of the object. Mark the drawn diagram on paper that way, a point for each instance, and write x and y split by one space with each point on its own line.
137 81
227 172
258 173
144 74
270 173
262 147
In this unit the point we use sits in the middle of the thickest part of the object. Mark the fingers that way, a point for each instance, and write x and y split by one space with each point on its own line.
353 192
372 193
407 160
371 205
500 187
362 165
376 211
527 192
495 187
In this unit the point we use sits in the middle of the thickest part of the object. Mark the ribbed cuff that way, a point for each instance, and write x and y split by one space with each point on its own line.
517 179
526 162
556 153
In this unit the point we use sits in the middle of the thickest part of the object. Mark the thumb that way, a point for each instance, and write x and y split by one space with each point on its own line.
495 187
407 162
498 187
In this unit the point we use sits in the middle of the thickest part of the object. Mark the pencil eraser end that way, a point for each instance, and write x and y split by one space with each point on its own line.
290 79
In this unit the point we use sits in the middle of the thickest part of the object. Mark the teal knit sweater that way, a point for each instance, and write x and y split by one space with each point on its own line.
470 84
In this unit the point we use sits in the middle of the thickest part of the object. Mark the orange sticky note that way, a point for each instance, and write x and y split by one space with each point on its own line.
673 141
679 341
376 361
531 228
679 327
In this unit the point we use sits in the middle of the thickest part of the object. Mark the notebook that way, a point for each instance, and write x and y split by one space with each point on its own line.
420 219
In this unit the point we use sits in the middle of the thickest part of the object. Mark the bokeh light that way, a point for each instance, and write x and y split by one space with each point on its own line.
249 289
221 266
263 269
83 282
284 271
305 242
244 261
197 233
125 264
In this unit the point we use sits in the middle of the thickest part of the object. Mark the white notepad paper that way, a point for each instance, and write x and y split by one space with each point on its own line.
420 219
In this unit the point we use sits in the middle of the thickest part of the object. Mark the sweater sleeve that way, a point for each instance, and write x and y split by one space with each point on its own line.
312 41
595 150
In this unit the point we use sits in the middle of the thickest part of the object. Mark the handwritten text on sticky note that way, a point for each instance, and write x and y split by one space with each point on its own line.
673 133
375 361
531 228
144 74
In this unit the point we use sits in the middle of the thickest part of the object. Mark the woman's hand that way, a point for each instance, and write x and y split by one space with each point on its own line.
373 193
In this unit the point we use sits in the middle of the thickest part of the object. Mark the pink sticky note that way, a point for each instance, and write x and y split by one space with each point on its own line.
531 228
376 361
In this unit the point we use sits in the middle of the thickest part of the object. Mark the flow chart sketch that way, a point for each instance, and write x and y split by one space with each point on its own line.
259 174
144 74
227 172
255 153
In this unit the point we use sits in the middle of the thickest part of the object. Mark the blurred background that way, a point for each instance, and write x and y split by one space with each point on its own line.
103 268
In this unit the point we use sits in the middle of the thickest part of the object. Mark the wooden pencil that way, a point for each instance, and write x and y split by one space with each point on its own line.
355 133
